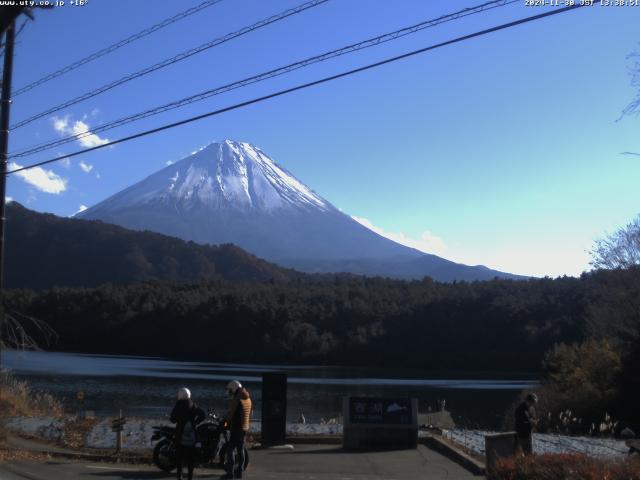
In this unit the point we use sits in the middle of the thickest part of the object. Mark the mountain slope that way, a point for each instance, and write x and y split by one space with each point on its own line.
232 192
429 265
44 251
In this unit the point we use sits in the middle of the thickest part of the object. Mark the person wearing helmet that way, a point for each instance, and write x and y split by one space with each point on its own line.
186 415
238 417
526 420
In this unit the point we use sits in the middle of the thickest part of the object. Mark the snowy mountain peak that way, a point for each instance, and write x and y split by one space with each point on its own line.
232 192
227 174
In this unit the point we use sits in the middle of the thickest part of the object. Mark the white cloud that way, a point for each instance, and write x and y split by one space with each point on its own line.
169 162
65 162
8 199
91 140
63 126
82 208
428 242
540 257
85 167
98 176
44 180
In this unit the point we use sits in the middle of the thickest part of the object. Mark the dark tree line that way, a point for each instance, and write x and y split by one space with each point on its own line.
500 325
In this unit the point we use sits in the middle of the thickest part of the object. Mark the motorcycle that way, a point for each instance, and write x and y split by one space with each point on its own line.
212 436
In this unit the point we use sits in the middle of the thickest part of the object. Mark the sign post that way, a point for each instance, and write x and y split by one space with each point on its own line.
117 425
80 400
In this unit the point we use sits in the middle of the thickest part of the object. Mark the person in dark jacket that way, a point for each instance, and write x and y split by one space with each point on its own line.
186 415
526 420
238 417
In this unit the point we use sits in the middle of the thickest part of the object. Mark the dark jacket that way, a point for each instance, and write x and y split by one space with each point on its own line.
239 413
184 411
525 417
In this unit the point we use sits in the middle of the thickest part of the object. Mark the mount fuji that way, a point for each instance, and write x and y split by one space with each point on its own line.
232 192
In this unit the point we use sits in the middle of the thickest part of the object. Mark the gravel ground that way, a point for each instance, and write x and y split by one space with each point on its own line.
137 431
48 428
473 440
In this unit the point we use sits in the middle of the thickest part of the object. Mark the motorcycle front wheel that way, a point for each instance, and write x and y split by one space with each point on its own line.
164 455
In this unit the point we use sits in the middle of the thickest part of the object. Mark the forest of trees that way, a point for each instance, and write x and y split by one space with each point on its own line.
501 325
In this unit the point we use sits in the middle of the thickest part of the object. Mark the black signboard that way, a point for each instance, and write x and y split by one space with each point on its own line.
382 411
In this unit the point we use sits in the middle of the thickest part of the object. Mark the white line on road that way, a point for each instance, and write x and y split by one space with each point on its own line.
108 468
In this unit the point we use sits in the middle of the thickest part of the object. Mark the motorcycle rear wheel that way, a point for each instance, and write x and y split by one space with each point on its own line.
164 455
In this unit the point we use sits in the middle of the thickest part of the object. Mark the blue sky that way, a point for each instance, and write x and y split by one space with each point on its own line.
505 150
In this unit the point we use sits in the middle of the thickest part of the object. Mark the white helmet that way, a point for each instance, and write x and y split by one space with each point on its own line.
184 394
233 386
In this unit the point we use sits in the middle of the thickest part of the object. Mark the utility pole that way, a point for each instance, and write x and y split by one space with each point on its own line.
5 105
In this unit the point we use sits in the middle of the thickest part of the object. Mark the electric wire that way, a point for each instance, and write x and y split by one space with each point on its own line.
307 85
371 42
112 48
175 59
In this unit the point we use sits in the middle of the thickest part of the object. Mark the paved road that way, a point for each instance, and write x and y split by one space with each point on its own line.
305 462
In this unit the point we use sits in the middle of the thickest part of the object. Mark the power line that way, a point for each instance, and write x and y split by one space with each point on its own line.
112 48
308 85
371 42
267 75
175 59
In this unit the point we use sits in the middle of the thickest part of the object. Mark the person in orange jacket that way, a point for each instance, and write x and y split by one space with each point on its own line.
238 418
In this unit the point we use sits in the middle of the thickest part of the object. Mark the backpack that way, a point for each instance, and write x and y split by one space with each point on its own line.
188 438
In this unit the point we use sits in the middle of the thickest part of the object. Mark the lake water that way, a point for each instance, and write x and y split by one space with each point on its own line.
145 386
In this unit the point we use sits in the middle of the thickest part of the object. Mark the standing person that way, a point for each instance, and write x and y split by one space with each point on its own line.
186 415
238 417
526 421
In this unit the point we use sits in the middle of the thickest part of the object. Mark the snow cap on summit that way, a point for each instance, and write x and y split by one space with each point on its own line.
222 175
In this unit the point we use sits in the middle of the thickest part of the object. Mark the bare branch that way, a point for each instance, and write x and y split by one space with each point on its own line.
618 250
634 71
22 332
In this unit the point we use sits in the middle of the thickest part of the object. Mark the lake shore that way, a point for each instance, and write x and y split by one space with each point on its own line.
145 387
96 435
